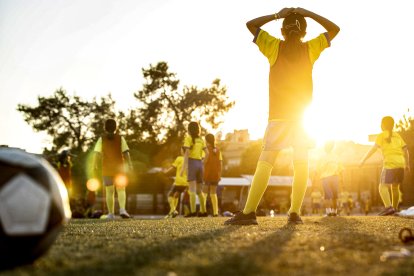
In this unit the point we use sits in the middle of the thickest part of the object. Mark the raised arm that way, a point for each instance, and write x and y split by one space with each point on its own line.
258 22
331 27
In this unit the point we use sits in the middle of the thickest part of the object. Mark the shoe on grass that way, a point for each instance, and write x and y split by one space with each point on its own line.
191 215
202 215
110 216
294 218
174 214
387 211
242 219
124 214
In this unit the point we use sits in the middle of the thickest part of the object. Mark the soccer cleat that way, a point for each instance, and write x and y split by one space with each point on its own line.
174 214
110 216
202 215
124 214
294 218
191 215
242 219
387 211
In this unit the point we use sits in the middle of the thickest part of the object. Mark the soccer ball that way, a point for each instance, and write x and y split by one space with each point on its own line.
34 206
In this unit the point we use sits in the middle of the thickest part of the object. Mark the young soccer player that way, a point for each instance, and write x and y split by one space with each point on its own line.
193 164
64 168
113 151
290 92
395 159
316 200
180 184
330 172
212 171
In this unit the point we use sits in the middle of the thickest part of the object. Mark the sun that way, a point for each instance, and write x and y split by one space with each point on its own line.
319 125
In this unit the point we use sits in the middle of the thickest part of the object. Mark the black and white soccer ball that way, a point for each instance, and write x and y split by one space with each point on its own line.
34 207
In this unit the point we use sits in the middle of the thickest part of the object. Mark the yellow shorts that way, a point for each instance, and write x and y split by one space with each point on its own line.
282 134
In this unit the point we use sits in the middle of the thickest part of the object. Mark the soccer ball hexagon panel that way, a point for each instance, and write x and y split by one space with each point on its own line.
34 207
24 207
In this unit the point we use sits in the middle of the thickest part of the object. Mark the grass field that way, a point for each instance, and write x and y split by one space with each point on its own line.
204 246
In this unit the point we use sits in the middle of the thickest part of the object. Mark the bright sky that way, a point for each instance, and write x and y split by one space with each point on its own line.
94 47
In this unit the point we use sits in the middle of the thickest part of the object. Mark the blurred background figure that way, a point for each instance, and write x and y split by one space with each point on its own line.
316 200
212 172
113 152
64 167
180 185
330 172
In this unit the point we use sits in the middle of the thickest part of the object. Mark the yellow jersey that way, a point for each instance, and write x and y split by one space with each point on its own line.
180 180
393 152
196 149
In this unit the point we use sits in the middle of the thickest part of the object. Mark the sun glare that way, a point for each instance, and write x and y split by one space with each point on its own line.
319 125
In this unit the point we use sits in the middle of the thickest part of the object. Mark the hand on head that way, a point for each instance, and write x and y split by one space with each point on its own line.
285 12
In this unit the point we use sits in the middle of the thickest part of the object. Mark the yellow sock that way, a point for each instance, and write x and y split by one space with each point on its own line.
385 195
171 201
175 203
202 199
300 181
395 191
258 186
214 203
121 197
192 202
110 199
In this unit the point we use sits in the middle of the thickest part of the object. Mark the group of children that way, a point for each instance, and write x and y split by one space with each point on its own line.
198 172
290 92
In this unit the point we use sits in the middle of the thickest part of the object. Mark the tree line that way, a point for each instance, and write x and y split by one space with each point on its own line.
154 130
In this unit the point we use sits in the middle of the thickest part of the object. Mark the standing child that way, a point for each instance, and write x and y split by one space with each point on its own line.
395 159
212 171
64 167
290 92
330 173
180 184
316 200
113 151
193 164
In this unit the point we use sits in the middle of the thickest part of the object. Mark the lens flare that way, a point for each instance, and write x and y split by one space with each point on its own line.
93 184
121 181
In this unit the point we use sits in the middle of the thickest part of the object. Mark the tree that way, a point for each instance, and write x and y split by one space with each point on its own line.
406 123
164 109
70 121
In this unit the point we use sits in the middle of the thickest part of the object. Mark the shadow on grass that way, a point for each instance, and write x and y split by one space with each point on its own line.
144 256
249 260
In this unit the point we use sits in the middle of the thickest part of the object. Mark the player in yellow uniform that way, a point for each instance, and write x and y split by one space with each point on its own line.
330 172
194 147
290 92
113 152
316 200
395 160
180 185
